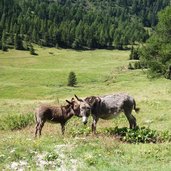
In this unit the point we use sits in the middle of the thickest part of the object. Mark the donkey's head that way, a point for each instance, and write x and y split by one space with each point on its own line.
68 109
83 109
75 106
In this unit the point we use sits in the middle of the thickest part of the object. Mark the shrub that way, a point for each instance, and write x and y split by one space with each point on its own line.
16 121
4 48
134 54
168 73
32 50
139 135
130 66
72 80
137 65
165 136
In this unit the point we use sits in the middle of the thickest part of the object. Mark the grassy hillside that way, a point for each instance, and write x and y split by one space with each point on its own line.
45 76
26 81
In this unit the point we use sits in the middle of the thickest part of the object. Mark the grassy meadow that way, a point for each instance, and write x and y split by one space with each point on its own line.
26 81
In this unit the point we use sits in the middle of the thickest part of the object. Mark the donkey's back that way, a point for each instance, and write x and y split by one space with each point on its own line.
54 113
111 105
119 101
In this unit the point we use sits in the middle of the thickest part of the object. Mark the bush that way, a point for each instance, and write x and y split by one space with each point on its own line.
134 54
130 66
168 73
72 80
16 121
32 50
139 135
137 65
4 48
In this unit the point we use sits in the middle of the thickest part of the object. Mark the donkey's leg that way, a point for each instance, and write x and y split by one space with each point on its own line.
63 128
40 127
134 122
95 120
131 119
37 127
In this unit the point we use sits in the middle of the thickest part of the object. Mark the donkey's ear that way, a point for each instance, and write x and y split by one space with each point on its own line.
68 102
91 100
78 98
72 100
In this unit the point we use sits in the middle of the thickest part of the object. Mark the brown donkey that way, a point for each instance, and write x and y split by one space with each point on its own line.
53 113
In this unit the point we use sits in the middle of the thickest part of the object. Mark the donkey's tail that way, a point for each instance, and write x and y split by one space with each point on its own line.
136 108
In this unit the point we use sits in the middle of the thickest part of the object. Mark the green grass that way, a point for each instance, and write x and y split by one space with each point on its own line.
46 75
26 81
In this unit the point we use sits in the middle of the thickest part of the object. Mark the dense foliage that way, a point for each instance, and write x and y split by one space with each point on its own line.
77 23
16 121
157 52
139 135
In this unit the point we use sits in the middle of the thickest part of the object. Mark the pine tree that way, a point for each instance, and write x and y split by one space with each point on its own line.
157 52
32 50
81 24
72 80
3 41
18 44
134 54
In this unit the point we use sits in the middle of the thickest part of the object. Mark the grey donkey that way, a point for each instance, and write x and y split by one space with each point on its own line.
106 107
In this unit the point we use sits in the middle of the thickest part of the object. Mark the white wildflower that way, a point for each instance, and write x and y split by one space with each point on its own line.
12 151
23 163
14 165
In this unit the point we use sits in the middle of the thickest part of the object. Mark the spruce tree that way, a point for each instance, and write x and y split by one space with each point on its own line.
3 42
18 44
157 52
80 24
72 80
32 50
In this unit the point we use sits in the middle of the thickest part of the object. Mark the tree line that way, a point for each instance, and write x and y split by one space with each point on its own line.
156 54
77 23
